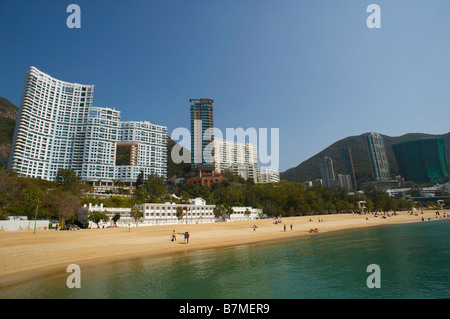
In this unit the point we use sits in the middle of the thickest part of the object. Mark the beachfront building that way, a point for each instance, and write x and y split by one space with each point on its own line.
196 211
124 212
58 128
377 157
14 223
245 213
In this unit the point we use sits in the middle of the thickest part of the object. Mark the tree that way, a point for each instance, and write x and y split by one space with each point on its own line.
140 179
180 213
136 214
115 218
97 216
415 191
67 207
219 211
369 205
151 190
247 213
64 177
229 195
447 202
8 189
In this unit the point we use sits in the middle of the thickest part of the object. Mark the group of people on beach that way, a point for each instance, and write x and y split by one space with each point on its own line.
185 234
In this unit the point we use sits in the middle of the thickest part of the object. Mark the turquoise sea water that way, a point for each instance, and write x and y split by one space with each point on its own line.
414 261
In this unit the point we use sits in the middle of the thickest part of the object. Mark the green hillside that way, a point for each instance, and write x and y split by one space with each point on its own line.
176 170
309 169
8 116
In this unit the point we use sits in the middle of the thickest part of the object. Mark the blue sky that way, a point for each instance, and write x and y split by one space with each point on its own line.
311 68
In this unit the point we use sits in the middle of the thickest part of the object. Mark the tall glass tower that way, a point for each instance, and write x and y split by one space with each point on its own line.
377 157
202 138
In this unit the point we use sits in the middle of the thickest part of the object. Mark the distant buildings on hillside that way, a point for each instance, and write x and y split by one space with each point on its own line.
211 157
420 161
327 171
329 178
378 160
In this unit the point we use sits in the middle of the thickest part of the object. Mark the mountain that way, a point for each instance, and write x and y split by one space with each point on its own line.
8 116
309 169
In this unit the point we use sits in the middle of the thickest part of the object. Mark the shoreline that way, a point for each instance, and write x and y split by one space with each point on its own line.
27 256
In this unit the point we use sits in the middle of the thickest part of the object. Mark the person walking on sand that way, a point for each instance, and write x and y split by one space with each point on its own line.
174 238
284 227
291 227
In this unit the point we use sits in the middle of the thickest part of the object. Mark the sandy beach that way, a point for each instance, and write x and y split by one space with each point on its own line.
25 255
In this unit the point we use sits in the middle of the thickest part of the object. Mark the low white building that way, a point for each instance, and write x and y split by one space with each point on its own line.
194 212
244 213
125 215
22 223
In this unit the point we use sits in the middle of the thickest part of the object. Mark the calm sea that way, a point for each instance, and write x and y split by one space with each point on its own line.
414 261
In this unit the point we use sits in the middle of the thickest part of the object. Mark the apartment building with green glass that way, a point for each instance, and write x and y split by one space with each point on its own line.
422 161
379 163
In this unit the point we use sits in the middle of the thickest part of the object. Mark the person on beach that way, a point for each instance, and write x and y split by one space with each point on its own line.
174 238
291 227
186 237
284 227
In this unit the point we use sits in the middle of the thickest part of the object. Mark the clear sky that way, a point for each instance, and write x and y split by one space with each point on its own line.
311 68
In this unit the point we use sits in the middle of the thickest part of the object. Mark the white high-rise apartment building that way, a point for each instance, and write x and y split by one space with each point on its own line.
58 128
240 158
